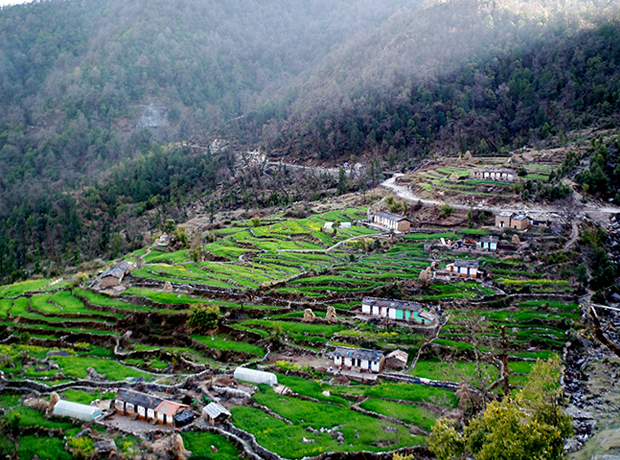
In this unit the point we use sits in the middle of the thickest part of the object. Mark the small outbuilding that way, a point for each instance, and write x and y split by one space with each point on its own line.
488 243
397 359
392 221
214 413
255 376
114 276
359 359
75 410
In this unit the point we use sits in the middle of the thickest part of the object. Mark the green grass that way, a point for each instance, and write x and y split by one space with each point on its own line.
296 327
219 343
84 397
407 413
46 448
311 388
414 393
30 417
200 442
270 431
75 366
163 297
453 372
17 289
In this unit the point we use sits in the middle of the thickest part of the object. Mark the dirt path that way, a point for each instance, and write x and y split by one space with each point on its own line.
591 208
573 236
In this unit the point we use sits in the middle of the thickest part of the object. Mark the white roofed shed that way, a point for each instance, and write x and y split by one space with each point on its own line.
254 376
75 410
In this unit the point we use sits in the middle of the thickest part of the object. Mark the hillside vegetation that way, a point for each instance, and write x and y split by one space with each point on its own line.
101 100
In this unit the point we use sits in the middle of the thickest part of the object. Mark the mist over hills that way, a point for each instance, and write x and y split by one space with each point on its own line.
95 95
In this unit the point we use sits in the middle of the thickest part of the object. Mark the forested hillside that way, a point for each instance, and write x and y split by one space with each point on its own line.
97 98
458 76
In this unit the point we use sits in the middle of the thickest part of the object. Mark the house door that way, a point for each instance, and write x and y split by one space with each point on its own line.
468 271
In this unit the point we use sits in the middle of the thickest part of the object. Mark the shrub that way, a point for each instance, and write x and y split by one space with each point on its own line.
204 317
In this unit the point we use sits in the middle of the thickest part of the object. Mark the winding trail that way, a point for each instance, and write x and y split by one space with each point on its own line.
591 209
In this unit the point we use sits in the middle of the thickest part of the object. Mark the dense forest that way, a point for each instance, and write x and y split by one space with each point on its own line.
99 100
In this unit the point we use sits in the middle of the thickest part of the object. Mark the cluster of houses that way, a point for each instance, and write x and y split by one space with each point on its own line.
149 407
507 219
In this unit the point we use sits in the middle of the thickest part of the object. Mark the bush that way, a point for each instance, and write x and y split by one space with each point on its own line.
445 210
204 317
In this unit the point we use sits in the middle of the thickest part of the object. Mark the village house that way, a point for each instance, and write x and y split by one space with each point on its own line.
392 221
215 413
464 268
520 222
506 175
114 276
396 310
488 243
358 359
147 406
506 219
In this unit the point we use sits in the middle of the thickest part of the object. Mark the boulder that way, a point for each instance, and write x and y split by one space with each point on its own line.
516 239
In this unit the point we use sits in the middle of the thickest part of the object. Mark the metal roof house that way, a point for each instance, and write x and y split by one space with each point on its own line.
75 410
255 376
392 221
113 276
214 412
147 406
464 268
359 359
506 219
396 310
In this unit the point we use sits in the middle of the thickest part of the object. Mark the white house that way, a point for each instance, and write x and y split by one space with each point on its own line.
488 243
396 310
392 221
359 359
464 268
147 406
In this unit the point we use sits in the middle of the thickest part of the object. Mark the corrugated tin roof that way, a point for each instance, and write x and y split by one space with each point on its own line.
389 215
358 353
169 407
399 355
76 410
214 410
489 239
466 263
118 270
255 376
391 303
138 398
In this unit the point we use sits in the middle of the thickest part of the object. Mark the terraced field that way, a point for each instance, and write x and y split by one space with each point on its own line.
262 279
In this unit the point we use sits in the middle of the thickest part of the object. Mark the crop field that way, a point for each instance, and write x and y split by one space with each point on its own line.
450 180
263 279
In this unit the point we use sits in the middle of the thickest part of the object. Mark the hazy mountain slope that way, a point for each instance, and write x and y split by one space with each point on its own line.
452 75
78 77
